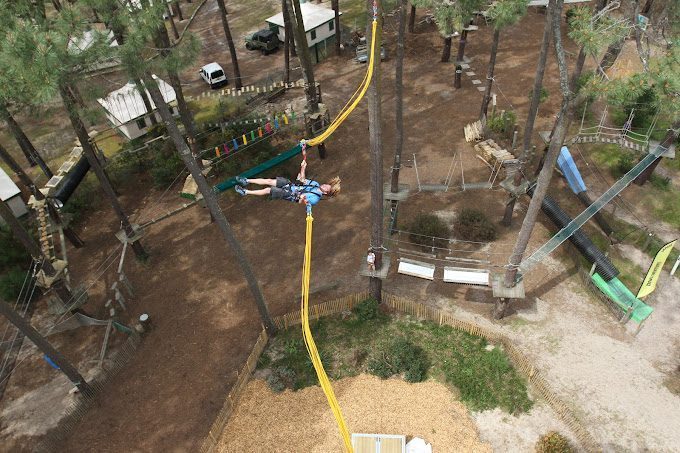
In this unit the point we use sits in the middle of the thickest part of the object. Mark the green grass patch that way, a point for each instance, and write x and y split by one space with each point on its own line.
371 342
110 145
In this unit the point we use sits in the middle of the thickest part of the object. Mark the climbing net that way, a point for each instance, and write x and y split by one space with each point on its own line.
624 136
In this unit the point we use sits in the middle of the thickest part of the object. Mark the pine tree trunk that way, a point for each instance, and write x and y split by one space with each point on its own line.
27 148
145 99
230 43
489 74
546 173
460 58
376 168
399 111
46 348
412 19
211 201
306 62
446 51
286 44
172 22
399 99
57 5
531 118
288 30
610 56
669 139
578 69
68 98
185 114
338 32
71 235
177 9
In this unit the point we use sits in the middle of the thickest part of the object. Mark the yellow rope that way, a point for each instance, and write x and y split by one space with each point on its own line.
309 340
354 101
307 265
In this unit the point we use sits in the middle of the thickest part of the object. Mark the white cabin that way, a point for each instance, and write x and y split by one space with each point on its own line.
126 111
10 194
319 28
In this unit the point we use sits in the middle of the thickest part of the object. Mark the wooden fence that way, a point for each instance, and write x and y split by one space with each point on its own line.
210 443
77 411
520 361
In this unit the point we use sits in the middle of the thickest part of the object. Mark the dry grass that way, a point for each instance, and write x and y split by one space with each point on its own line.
301 421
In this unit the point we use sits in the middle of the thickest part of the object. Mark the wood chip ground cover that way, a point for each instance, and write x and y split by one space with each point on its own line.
300 421
479 373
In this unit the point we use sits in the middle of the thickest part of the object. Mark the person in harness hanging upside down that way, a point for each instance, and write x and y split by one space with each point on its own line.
303 190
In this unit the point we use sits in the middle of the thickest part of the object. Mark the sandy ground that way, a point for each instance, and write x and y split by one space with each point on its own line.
614 381
300 421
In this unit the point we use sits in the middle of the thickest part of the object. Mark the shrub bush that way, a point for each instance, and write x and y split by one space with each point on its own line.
474 225
12 252
166 165
543 96
11 283
623 165
503 123
554 442
366 310
426 226
660 182
399 356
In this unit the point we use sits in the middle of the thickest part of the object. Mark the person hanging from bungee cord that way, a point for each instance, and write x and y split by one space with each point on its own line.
303 190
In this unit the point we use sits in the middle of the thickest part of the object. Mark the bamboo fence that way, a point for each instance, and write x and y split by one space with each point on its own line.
77 411
520 361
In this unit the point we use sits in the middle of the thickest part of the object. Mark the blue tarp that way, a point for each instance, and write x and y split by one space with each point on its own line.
568 168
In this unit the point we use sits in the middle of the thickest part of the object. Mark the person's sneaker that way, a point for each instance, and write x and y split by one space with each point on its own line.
240 190
242 181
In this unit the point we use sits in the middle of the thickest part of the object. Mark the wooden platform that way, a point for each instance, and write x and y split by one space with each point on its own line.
400 195
500 291
380 273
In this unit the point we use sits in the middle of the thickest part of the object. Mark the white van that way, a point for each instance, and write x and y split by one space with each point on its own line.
213 74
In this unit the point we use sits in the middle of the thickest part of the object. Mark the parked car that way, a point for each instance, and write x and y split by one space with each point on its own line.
213 74
362 53
264 40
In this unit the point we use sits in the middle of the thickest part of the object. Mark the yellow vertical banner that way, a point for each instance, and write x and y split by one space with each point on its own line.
649 283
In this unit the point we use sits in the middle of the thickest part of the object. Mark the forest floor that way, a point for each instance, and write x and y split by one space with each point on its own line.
205 322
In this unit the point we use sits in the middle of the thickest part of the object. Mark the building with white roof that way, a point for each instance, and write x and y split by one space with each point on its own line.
10 194
126 111
319 28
